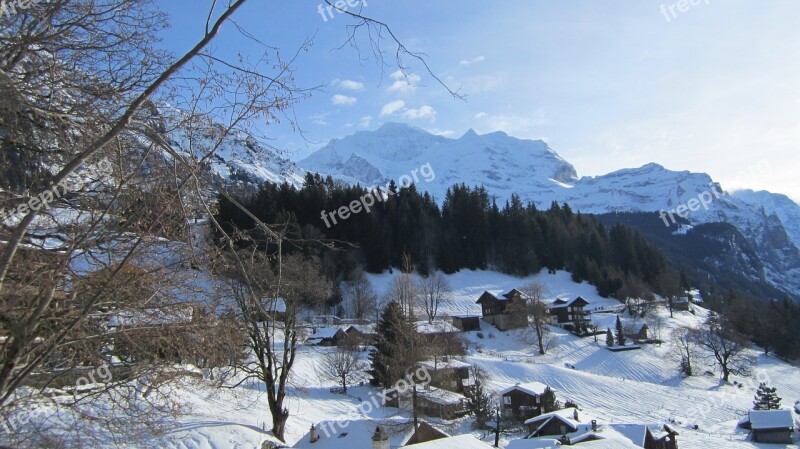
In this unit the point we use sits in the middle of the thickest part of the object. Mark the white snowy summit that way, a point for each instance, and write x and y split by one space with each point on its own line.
497 161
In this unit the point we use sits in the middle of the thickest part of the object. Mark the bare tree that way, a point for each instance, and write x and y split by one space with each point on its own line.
435 291
403 290
685 342
270 292
638 297
538 314
80 76
362 299
342 365
656 325
727 346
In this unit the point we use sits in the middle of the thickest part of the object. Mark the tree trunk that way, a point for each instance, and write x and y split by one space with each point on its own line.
497 429
539 338
279 424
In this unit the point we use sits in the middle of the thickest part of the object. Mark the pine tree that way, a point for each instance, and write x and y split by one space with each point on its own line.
480 404
620 333
549 402
766 398
609 338
396 347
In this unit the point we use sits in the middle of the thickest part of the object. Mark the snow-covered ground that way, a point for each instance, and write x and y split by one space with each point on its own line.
641 386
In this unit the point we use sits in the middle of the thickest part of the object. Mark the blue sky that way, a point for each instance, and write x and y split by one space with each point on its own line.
712 88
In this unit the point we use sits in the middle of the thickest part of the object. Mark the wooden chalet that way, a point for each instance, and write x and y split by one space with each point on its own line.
572 312
523 401
450 374
503 312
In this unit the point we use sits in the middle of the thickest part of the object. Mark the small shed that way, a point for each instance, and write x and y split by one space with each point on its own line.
772 426
467 323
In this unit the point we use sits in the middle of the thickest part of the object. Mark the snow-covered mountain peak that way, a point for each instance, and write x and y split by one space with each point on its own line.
495 160
470 134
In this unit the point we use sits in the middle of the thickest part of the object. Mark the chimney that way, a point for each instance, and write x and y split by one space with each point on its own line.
314 436
380 440
575 415
594 425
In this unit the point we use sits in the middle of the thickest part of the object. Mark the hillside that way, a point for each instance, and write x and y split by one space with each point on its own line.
635 387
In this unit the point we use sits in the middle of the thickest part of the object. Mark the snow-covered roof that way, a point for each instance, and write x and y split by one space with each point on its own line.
771 419
456 442
608 438
363 328
638 432
322 332
441 364
355 434
437 327
566 415
534 388
534 443
557 304
436 395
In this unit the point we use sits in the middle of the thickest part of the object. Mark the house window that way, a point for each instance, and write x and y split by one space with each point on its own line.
507 400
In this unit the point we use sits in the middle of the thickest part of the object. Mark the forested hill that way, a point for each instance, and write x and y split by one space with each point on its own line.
468 231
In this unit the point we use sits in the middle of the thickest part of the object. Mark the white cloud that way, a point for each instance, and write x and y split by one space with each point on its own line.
392 107
343 100
365 121
351 85
476 60
518 125
421 113
484 83
404 83
320 118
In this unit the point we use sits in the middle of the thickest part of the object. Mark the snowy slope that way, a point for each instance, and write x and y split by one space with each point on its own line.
636 387
239 158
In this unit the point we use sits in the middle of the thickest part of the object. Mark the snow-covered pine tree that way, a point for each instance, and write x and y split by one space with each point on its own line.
609 337
766 398
620 333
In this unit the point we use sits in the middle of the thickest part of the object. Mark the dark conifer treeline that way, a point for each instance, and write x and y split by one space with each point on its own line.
469 231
